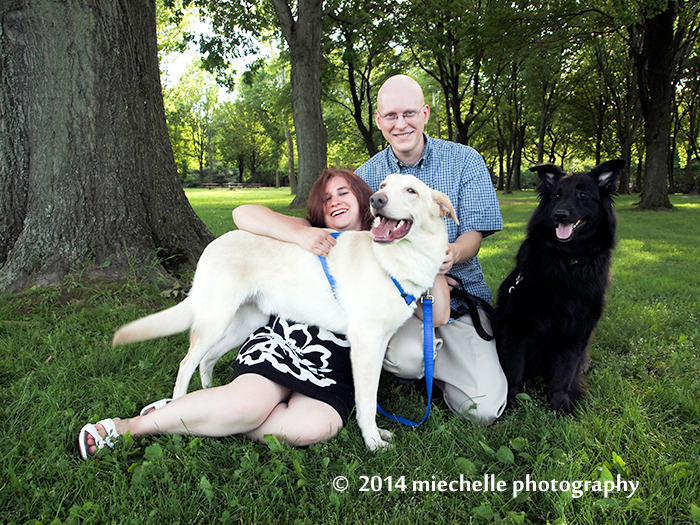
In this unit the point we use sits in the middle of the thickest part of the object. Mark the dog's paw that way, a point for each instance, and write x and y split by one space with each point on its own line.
386 434
512 399
379 441
382 446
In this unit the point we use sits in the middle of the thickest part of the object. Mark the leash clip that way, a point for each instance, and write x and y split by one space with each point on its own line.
427 297
518 279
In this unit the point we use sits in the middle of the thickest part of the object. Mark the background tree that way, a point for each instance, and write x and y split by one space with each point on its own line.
303 32
233 143
669 33
301 24
86 167
489 61
358 42
252 127
459 46
614 62
190 106
690 117
510 130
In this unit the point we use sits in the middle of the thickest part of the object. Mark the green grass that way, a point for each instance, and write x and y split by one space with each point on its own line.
214 206
641 420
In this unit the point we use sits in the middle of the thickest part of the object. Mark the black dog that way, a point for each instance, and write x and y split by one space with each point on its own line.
551 302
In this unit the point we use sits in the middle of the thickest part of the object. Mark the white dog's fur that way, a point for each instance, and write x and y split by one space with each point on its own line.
242 279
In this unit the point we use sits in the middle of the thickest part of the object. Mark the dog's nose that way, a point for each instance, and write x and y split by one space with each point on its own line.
561 215
378 201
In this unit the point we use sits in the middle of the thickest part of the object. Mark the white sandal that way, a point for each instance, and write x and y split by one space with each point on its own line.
100 442
154 406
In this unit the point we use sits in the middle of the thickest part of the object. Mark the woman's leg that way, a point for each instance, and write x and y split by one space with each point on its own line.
301 421
235 408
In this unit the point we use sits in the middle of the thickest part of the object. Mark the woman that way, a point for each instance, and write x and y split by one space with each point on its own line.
290 380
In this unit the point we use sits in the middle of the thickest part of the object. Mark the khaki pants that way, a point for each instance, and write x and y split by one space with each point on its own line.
466 369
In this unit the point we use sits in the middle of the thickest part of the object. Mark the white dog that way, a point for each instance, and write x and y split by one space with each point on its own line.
242 279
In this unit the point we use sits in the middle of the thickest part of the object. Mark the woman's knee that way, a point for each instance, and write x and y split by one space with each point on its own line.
251 399
302 421
322 430
319 422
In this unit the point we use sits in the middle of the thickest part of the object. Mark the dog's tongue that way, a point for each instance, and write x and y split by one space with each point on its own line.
564 231
389 230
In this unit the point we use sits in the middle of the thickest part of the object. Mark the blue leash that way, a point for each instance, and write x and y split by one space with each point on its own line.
427 358
427 301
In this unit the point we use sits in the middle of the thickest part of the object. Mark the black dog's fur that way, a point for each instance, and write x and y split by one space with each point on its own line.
550 303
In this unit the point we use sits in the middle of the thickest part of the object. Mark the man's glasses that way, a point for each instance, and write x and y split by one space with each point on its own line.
407 115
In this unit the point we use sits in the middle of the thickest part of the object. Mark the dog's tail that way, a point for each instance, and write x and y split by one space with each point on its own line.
171 321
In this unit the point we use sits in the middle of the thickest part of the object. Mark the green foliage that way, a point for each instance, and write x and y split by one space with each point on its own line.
639 422
523 82
189 109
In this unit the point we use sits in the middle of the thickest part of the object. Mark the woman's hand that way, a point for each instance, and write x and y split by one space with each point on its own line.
316 240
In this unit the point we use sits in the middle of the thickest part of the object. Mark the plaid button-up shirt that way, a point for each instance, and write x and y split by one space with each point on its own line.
459 172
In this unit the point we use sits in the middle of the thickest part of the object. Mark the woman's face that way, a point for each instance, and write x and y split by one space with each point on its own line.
341 210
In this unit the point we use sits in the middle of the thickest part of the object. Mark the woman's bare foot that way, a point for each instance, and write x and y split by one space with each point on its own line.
97 436
90 440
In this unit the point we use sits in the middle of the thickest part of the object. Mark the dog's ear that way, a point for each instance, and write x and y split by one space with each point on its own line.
607 173
548 173
446 208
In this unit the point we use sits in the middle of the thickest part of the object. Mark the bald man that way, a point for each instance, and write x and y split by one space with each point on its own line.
466 366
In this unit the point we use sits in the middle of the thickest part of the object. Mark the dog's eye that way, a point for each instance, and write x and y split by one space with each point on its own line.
583 195
382 186
557 195
411 190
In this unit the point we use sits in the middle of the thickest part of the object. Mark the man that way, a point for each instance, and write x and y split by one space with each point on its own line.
466 366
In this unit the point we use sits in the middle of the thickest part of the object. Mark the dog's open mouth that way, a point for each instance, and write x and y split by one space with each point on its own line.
389 230
566 231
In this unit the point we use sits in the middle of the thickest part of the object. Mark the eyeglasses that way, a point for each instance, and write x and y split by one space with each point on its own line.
407 115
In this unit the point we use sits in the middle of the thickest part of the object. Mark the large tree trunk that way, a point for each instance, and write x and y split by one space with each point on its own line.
303 37
291 171
87 172
656 88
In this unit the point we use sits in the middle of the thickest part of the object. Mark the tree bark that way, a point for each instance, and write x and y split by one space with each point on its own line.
303 37
86 167
656 88
291 171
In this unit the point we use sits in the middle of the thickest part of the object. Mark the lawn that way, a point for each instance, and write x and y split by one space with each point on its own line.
629 455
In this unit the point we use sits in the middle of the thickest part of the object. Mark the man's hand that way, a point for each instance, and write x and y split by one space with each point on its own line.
451 283
465 247
451 257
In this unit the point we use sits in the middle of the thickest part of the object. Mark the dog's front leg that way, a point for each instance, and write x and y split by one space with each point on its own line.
366 354
563 375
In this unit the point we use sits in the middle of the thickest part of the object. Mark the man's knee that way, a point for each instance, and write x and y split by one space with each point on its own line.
483 410
406 366
404 353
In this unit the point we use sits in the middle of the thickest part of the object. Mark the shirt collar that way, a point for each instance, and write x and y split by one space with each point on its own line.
421 162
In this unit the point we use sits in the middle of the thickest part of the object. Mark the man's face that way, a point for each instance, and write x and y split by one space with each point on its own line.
401 116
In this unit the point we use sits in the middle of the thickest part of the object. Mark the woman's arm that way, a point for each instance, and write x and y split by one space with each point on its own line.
441 302
261 220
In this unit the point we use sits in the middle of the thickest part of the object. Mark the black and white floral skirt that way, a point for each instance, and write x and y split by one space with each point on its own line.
305 359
